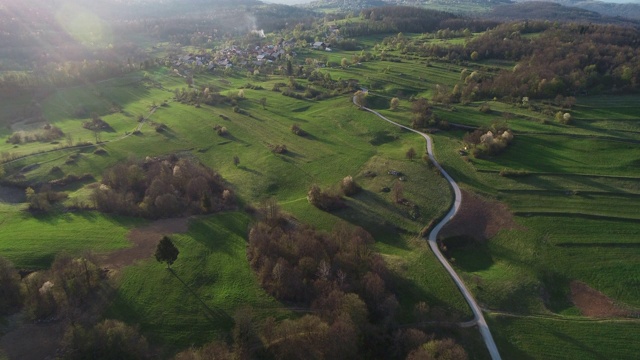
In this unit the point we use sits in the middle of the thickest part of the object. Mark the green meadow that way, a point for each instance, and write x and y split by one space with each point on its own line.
196 300
575 209
556 338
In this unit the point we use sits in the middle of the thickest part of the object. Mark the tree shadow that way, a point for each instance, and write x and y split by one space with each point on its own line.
252 171
213 313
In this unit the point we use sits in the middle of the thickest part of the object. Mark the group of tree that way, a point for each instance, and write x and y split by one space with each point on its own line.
44 198
394 19
424 117
71 289
330 199
342 281
204 95
562 59
488 142
162 187
61 291
46 134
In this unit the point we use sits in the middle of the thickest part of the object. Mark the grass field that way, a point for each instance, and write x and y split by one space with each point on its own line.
31 242
196 301
549 338
576 211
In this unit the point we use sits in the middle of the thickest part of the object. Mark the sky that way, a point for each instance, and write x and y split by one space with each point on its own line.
292 2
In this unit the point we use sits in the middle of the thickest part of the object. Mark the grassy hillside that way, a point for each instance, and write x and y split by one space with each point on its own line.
196 300
575 208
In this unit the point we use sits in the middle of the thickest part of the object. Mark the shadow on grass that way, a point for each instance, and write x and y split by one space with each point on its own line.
508 350
212 313
252 171
234 139
169 134
412 294
361 212
471 257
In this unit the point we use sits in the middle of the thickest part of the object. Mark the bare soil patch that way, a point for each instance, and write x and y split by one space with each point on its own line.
593 303
144 239
479 218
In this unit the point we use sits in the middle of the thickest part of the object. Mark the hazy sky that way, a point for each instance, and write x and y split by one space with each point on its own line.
292 2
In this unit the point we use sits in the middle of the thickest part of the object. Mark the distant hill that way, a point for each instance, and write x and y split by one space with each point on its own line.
347 5
626 10
552 11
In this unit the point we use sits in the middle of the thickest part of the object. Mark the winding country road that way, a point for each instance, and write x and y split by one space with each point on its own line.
433 244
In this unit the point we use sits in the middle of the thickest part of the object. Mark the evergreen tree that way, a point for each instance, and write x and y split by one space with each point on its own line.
166 252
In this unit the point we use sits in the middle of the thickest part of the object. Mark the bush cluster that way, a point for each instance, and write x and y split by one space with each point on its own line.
47 133
158 188
488 142
325 199
303 265
96 124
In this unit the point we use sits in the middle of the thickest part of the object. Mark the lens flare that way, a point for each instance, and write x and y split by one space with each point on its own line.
84 26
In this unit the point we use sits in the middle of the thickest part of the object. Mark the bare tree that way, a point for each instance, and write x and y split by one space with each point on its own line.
411 154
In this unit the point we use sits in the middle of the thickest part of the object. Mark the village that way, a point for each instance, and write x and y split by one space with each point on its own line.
250 57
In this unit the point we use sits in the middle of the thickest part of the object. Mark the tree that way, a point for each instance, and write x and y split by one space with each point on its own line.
439 349
9 287
398 192
411 154
360 97
289 68
344 62
166 252
474 56
395 102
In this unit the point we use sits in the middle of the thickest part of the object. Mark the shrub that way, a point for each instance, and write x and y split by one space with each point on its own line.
221 130
349 186
110 339
96 124
513 173
161 127
278 149
11 298
324 200
295 128
488 143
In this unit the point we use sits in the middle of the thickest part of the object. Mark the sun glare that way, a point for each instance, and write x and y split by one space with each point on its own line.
84 26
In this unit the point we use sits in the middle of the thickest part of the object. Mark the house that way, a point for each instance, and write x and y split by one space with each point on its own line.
319 45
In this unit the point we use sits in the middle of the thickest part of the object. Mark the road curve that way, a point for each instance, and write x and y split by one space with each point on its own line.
433 236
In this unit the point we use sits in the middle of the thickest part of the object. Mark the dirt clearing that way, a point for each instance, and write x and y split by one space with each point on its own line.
144 239
593 303
479 218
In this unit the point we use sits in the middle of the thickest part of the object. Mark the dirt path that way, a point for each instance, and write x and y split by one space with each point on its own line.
433 244
144 239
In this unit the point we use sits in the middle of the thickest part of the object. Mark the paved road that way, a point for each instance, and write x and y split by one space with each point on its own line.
433 244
